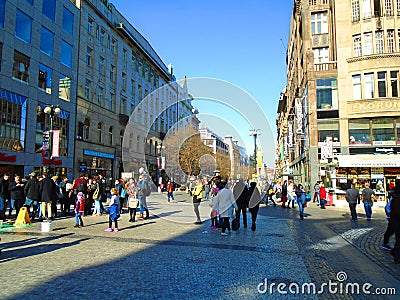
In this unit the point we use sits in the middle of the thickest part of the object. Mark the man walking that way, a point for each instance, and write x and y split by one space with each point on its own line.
240 193
367 195
353 198
170 190
143 190
316 192
4 195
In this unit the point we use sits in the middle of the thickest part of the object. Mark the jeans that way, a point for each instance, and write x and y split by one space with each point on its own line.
1 204
301 208
254 213
242 209
353 211
78 218
368 209
97 207
196 211
170 195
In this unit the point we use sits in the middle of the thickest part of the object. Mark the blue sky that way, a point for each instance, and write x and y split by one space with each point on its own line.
242 42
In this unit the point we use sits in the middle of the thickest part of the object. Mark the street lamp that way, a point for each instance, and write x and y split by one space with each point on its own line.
255 133
52 111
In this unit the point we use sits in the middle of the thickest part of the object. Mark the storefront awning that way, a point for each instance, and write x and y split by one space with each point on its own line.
368 160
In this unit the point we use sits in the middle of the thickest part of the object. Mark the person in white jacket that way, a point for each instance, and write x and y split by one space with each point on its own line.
224 202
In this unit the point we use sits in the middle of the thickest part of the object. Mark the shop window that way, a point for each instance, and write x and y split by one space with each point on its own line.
2 9
12 121
66 54
46 41
49 9
100 132
394 83
23 27
357 87
381 84
64 87
327 93
68 21
359 131
44 78
21 67
110 135
383 129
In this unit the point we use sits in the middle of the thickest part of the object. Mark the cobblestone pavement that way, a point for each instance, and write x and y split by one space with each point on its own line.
168 257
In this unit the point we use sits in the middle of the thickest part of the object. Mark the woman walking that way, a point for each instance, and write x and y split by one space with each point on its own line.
254 203
301 199
224 202
197 195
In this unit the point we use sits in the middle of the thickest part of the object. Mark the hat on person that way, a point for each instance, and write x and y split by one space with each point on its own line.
80 194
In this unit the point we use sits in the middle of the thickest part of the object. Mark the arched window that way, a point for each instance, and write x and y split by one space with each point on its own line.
100 132
86 129
110 135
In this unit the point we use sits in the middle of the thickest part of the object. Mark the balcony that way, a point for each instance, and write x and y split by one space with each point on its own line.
325 66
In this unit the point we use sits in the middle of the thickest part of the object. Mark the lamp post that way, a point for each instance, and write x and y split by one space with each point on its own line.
255 133
52 111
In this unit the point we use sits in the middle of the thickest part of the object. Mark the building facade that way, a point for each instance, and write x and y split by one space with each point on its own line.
339 114
38 63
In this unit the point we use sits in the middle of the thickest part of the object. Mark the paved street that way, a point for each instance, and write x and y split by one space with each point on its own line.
169 257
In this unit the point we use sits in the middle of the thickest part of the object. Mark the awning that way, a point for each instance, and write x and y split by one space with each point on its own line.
368 160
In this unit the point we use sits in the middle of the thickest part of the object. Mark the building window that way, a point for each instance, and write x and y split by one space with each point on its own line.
122 109
123 81
12 121
44 78
383 129
356 87
86 130
112 73
110 135
133 88
394 83
101 66
89 54
108 41
379 42
388 8
124 56
113 45
367 48
60 122
100 132
327 93
319 23
49 9
355 8
66 54
97 32
328 128
68 21
381 84
64 87
23 27
369 85
102 36
21 67
140 92
90 25
321 55
46 41
121 136
2 9
357 45
390 41
88 84
366 9
100 95
359 131
398 7
110 102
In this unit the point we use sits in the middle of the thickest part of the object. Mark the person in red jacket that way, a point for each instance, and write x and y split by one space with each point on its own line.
79 209
322 196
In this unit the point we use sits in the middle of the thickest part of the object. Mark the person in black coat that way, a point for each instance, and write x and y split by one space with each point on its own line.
32 194
240 192
17 193
48 194
4 195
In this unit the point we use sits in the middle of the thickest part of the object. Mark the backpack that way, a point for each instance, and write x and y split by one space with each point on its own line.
146 189
82 186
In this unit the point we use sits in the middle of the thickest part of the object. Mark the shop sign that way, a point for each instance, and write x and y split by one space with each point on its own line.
367 160
299 117
384 150
384 143
8 158
358 106
290 135
286 150
98 154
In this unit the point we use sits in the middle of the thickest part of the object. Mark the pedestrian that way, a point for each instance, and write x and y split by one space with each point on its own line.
290 193
395 219
17 194
207 190
133 202
301 199
240 192
89 197
254 203
4 195
79 209
114 211
367 196
54 202
197 195
170 190
278 193
389 229
142 191
96 196
316 192
322 195
48 194
353 198
64 201
32 195
224 202
103 192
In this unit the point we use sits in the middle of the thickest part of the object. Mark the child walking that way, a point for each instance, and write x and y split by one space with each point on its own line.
214 219
79 210
114 211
